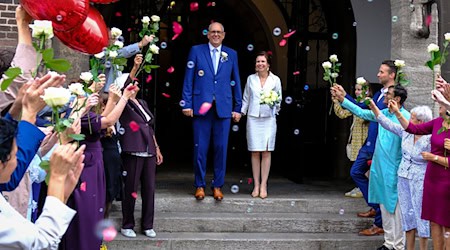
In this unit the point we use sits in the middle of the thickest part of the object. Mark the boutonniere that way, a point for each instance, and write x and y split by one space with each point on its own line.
223 56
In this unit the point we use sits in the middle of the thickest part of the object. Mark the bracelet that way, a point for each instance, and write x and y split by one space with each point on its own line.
157 146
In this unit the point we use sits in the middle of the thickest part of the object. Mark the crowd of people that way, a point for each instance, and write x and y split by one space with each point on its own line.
400 162
408 165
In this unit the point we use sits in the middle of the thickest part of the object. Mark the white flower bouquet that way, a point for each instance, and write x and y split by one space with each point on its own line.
270 98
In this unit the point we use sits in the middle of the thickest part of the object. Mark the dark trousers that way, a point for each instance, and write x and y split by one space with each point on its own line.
205 127
139 169
357 172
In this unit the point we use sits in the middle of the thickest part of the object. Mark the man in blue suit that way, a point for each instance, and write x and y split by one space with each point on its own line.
212 96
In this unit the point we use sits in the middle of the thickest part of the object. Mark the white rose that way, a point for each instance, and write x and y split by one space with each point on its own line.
447 37
77 89
274 97
155 18
224 54
145 20
154 49
267 100
115 32
334 75
432 48
100 55
118 44
399 63
42 27
86 76
360 80
56 97
113 54
326 65
333 58
267 94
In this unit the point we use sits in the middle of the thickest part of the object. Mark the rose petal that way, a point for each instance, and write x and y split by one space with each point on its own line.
269 52
282 43
148 79
204 108
177 28
118 14
249 181
134 195
289 34
83 186
296 73
171 69
428 20
134 126
131 87
109 233
166 95
194 6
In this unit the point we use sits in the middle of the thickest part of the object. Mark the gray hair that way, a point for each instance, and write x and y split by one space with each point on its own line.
221 25
423 113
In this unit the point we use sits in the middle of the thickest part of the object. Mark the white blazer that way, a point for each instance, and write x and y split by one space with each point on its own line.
252 95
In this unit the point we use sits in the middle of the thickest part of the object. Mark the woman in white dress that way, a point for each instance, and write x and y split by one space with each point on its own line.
261 102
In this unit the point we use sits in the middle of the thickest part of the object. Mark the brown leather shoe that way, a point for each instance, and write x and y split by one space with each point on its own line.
374 230
217 193
369 214
200 193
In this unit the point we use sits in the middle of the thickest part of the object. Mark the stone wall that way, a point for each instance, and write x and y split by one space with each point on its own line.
8 28
414 51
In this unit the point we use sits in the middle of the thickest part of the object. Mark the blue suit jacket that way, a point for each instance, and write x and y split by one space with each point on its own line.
372 134
28 140
202 85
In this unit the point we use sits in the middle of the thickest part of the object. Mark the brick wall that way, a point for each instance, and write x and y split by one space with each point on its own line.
8 28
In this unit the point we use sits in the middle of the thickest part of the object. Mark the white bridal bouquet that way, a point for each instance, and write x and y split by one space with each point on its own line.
271 98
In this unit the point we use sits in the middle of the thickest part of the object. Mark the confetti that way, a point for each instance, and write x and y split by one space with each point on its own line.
83 186
282 43
148 79
134 195
194 6
289 34
204 108
166 95
296 73
170 70
134 126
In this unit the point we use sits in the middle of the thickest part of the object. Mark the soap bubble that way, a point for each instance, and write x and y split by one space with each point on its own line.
288 100
234 189
276 31
250 47
232 83
163 45
190 64
307 48
182 103
394 19
306 87
235 128
124 173
335 36
106 230
205 32
341 211
296 132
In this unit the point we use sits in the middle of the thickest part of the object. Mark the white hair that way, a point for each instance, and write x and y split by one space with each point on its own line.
423 113
221 25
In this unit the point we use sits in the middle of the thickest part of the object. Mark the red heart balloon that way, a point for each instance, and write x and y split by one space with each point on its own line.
65 15
90 37
104 1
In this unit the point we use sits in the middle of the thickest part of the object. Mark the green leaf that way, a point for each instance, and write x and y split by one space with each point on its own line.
154 66
66 123
404 82
11 73
48 54
121 61
77 137
430 64
45 165
367 102
442 129
148 57
326 78
147 69
59 65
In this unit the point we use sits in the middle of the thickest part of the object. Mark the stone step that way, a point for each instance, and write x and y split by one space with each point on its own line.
267 241
252 222
241 203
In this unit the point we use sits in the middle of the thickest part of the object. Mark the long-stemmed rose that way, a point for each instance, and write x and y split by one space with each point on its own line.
331 69
400 76
150 26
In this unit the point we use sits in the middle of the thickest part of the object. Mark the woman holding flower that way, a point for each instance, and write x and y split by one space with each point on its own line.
89 197
261 102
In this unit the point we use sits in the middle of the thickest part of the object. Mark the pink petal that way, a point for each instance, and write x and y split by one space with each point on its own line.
134 195
135 79
249 181
204 108
83 186
166 95
296 73
129 29
131 87
148 79
109 233
134 126
282 43
428 20
177 28
118 14
269 52
175 36
289 34
194 6
171 69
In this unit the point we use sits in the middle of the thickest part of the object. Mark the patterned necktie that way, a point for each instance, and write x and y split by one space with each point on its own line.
214 59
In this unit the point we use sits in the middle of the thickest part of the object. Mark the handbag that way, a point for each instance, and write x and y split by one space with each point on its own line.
348 147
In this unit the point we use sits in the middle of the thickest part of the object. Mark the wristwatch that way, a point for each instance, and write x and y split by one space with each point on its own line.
436 158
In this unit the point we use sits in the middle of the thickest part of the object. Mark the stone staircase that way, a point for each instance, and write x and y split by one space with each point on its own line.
294 216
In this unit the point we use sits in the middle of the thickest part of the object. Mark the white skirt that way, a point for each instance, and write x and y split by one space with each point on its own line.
261 133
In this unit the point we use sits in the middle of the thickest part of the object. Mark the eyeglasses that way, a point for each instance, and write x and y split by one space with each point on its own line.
216 32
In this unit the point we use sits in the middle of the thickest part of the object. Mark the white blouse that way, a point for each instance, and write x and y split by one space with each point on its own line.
252 95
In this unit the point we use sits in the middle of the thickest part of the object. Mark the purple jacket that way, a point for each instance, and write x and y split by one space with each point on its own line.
142 139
